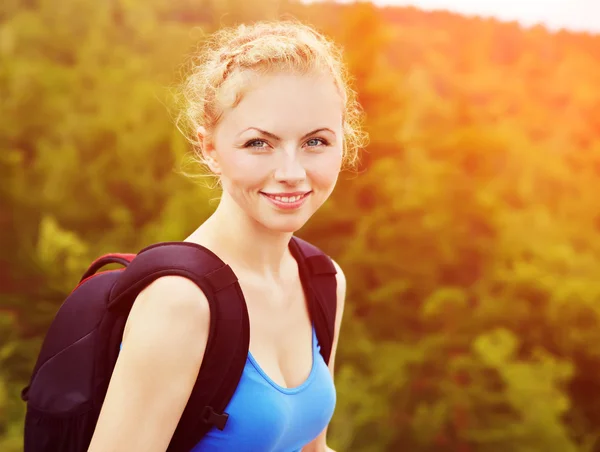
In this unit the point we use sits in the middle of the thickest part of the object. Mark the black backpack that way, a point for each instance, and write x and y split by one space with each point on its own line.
79 352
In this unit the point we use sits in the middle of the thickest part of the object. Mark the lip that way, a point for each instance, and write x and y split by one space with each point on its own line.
287 205
294 193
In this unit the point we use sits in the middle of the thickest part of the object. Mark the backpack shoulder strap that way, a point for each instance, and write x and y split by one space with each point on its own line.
229 333
318 272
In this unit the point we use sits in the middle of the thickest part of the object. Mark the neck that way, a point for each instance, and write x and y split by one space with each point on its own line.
242 242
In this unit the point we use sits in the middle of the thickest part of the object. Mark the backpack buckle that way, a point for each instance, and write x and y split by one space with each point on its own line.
210 417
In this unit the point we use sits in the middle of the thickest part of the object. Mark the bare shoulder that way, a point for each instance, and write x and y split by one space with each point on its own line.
163 349
341 299
341 285
170 297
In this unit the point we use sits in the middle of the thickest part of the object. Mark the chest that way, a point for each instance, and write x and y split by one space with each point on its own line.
280 329
266 417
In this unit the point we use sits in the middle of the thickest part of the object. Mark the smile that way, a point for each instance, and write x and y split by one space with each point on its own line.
287 202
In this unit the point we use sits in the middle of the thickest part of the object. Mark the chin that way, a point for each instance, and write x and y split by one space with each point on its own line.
289 226
282 224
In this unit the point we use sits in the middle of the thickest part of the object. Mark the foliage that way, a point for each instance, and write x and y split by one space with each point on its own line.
469 236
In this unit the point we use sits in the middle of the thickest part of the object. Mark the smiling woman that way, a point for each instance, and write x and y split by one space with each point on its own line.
293 147
271 115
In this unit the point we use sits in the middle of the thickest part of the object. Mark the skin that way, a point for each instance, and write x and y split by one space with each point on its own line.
251 235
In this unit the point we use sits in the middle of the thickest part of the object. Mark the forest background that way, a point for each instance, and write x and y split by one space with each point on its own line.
469 235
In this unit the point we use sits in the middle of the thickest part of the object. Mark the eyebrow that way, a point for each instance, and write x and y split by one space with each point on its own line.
275 137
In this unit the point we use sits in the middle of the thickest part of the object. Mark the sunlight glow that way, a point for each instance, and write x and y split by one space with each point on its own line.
580 15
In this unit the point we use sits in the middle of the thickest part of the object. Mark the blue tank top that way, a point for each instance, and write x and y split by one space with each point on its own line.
266 417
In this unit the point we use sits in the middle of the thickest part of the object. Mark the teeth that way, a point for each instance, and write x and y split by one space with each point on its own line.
287 198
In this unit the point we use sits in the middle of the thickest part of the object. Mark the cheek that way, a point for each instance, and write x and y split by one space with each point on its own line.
241 170
324 170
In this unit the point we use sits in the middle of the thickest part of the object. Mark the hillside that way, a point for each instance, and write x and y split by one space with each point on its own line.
470 235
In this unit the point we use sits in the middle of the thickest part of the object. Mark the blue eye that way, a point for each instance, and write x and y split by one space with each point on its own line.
316 142
259 144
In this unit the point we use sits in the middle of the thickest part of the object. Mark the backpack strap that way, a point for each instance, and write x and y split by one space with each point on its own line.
318 272
229 333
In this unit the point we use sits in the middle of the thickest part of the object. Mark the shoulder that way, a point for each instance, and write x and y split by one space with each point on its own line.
341 287
169 322
163 348
182 293
340 278
171 302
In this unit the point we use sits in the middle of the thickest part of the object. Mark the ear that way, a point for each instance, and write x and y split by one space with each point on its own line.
209 153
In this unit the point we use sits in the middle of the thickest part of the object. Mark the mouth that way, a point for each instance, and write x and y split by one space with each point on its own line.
287 201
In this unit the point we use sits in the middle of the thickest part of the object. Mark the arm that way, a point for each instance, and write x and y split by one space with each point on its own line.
163 347
319 444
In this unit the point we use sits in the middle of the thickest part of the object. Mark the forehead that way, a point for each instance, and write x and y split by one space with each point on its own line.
286 101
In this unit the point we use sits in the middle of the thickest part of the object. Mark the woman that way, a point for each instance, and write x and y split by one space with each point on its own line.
274 120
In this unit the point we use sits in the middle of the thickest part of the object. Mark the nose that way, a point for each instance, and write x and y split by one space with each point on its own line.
290 170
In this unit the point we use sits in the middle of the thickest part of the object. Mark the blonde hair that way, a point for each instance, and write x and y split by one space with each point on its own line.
262 47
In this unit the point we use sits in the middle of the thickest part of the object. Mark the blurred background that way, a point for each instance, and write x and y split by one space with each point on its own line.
470 235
